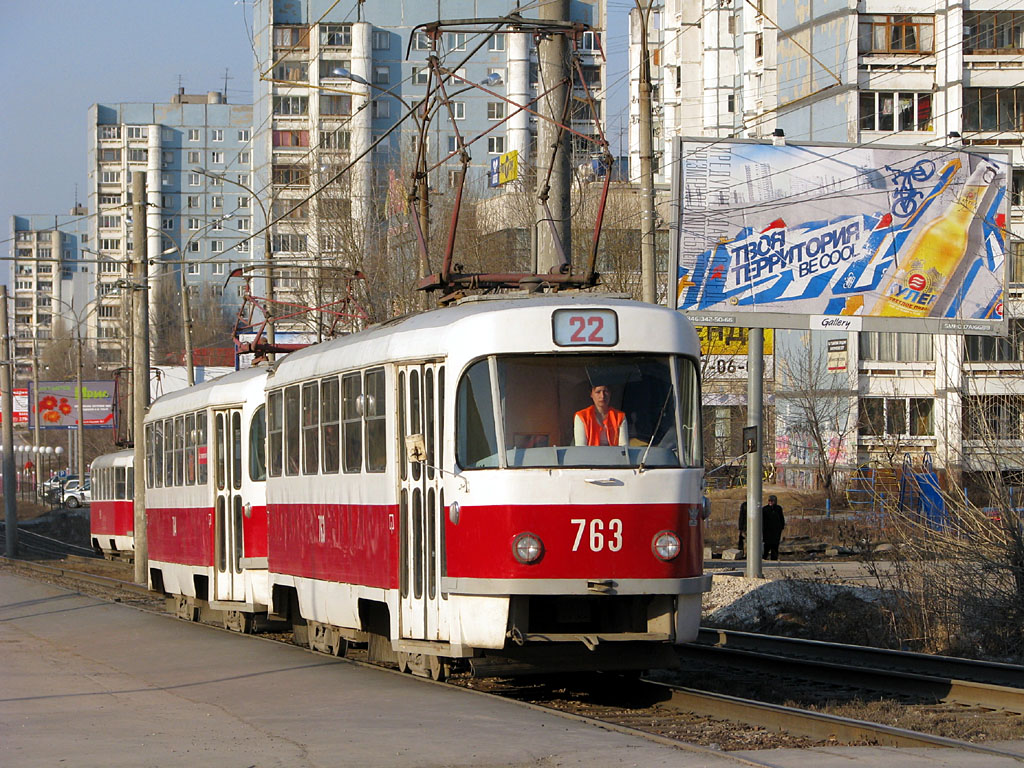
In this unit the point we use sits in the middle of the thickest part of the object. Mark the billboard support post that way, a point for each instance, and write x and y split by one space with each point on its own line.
755 392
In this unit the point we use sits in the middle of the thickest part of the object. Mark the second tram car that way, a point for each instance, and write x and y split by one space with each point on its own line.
431 493
112 510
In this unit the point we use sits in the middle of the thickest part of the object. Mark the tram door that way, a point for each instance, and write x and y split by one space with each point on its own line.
227 433
421 501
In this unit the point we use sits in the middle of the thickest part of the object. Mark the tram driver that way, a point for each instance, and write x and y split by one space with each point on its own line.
600 424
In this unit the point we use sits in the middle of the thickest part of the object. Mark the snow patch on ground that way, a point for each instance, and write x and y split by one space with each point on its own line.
738 600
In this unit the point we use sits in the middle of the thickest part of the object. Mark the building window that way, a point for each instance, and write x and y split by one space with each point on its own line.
290 175
338 139
193 268
110 222
289 210
291 105
219 268
993 109
895 111
109 267
291 138
138 155
217 201
456 41
291 71
458 110
496 110
217 225
420 75
193 224
382 75
896 34
997 349
336 34
216 134
217 158
243 201
194 157
291 37
330 68
381 40
242 247
110 131
243 223
110 155
110 177
336 105
137 132
992 417
193 134
168 224
110 244
216 246
381 108
243 179
244 135
193 246
993 32
244 157
730 103
497 42
882 416
110 199
591 41
496 145
1015 267
896 347
288 242
194 180
758 45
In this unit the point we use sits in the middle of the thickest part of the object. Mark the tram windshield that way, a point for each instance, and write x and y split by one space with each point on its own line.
579 411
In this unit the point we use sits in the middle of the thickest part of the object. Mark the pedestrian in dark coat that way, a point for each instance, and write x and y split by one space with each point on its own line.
772 523
742 525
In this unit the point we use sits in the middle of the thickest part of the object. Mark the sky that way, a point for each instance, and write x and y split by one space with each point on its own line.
61 56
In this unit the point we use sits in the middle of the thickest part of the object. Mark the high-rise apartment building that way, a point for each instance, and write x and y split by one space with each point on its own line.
937 75
334 89
196 153
49 279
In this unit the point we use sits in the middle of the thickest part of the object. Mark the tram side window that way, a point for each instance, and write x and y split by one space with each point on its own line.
258 445
275 432
329 435
351 424
291 430
131 484
202 452
190 449
179 451
691 443
374 414
158 454
310 428
475 417
148 456
168 452
119 484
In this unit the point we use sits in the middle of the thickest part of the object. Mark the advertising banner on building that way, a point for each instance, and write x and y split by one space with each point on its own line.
840 237
20 398
58 404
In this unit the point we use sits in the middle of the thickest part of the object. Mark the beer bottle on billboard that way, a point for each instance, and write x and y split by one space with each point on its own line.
934 255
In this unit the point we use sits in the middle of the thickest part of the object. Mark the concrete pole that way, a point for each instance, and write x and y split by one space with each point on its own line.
755 397
186 325
34 401
648 276
140 371
7 409
553 54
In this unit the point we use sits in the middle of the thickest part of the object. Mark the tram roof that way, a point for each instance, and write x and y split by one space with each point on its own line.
493 326
117 458
229 389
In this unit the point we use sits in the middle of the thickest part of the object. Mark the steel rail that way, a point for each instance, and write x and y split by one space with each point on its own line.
948 668
89 578
813 725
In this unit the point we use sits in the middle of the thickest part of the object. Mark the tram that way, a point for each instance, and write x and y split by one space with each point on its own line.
112 508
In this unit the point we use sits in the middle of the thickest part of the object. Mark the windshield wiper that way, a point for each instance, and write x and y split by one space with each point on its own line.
661 415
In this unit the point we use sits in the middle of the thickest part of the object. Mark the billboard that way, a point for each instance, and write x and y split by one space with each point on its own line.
58 404
20 398
840 237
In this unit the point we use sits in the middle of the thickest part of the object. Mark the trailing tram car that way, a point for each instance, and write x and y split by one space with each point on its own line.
433 491
206 499
112 510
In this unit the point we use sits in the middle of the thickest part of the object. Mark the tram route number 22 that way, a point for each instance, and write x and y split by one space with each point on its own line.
598 535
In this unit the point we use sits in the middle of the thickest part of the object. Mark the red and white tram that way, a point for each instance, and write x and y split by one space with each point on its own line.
425 493
205 498
112 509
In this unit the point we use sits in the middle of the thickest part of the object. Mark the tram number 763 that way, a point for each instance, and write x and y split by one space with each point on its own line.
598 534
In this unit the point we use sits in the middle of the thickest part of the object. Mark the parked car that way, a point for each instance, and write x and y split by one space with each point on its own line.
75 496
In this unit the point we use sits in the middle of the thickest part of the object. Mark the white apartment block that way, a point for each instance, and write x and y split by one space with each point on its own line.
912 73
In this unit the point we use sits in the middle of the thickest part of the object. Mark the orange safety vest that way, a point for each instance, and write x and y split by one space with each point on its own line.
611 425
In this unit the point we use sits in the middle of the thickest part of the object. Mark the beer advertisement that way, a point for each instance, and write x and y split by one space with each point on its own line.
840 237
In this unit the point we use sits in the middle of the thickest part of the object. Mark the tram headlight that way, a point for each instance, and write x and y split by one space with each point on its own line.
666 545
527 548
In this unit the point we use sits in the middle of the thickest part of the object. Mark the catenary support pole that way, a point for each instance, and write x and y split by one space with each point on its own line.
553 190
648 277
140 370
755 397
7 408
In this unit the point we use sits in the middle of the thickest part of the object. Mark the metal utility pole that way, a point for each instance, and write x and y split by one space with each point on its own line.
81 411
755 396
423 193
186 327
7 408
140 369
648 275
553 190
34 400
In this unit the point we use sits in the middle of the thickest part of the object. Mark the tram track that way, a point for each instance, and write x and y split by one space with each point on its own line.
663 709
